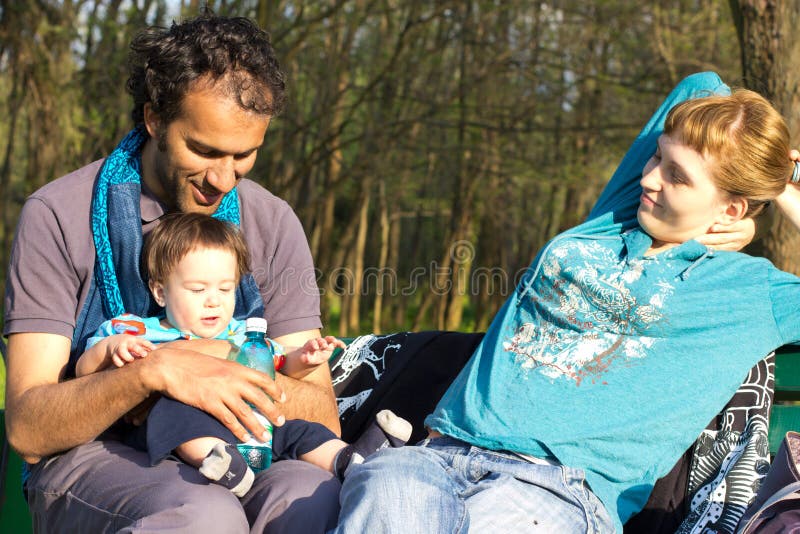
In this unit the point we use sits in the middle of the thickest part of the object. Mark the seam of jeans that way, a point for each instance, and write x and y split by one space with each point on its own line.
497 456
70 496
77 499
580 496
594 501
455 466
463 525
591 517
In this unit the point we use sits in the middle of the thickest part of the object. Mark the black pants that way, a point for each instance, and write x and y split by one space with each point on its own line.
171 423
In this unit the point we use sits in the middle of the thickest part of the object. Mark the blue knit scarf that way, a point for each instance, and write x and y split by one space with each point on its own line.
116 225
123 166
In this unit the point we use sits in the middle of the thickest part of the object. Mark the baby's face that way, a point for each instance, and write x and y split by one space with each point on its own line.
200 293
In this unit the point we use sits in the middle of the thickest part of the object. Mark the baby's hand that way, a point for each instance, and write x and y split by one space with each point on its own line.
317 351
129 348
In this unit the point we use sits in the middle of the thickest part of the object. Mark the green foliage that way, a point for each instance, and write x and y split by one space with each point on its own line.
482 123
2 385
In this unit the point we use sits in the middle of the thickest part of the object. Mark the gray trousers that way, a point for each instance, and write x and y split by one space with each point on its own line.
106 486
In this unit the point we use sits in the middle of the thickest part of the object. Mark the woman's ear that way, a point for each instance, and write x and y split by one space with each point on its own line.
157 289
734 210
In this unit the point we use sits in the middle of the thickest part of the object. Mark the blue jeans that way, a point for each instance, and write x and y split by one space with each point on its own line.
445 485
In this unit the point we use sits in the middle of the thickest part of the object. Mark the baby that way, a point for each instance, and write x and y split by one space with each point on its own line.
194 263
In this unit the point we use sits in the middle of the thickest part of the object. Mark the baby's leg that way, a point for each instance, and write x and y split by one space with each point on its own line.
200 441
324 455
194 451
219 462
388 430
316 444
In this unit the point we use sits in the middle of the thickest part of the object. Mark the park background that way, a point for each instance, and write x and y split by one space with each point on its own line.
430 148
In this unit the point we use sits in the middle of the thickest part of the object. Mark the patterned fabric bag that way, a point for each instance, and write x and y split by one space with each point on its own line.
731 457
776 508
407 373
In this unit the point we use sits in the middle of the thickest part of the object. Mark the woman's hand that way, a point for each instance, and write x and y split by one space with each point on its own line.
732 237
789 200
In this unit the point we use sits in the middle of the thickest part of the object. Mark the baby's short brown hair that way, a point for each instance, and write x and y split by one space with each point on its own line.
180 233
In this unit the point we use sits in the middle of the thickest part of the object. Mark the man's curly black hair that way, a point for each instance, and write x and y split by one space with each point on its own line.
164 63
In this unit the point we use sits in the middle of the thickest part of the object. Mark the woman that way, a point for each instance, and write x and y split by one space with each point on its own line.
623 340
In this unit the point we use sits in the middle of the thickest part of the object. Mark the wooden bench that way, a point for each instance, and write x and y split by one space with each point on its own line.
14 516
785 414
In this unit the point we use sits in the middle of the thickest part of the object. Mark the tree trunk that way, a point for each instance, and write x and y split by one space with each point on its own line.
770 46
322 248
383 209
357 263
5 176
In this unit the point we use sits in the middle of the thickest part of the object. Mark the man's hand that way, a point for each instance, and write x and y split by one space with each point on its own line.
211 347
219 387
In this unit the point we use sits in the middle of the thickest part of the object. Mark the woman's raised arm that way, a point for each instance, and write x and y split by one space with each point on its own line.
789 200
621 195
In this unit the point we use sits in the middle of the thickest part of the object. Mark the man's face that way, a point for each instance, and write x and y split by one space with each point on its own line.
202 154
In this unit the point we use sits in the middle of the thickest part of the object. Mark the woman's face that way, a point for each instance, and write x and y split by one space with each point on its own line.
679 200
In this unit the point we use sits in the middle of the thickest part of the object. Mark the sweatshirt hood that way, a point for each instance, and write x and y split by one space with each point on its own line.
638 242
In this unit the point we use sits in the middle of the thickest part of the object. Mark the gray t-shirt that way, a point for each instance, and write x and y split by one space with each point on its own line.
53 257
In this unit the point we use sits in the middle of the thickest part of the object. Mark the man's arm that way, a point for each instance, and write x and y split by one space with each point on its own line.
312 397
46 415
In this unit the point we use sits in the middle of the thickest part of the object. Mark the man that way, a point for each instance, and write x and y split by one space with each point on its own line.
204 93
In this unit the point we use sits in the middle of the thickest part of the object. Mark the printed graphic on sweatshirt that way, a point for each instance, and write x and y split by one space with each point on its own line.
586 312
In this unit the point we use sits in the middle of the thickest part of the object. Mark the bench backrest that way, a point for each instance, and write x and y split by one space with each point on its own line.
786 409
14 515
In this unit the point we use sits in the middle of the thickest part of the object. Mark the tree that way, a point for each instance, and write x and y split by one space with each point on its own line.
770 53
430 148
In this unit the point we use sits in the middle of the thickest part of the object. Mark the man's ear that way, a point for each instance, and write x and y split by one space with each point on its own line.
152 120
734 210
157 289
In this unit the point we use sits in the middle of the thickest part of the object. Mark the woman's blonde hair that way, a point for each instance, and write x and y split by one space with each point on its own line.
177 234
747 139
